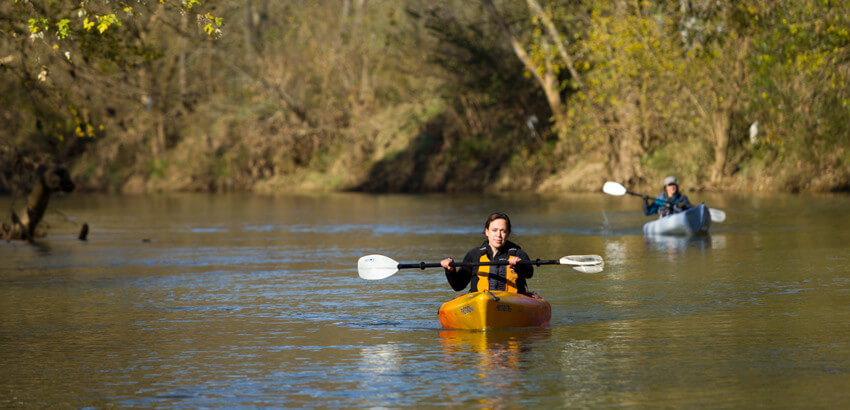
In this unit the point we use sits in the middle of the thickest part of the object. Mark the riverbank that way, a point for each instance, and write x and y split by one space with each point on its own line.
586 176
411 171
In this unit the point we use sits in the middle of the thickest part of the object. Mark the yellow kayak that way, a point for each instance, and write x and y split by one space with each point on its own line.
495 308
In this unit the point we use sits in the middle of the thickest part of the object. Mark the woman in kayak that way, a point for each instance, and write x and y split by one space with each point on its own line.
669 202
496 248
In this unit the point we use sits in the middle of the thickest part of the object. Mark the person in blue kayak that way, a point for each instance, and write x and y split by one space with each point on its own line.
669 202
496 247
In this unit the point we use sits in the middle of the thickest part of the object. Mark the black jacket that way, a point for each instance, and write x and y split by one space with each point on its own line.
498 274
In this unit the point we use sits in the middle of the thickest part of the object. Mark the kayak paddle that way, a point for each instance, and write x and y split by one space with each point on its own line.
613 188
717 215
375 267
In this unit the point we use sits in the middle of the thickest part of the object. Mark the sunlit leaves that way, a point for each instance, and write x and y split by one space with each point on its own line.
37 24
212 25
102 23
98 16
62 28
81 127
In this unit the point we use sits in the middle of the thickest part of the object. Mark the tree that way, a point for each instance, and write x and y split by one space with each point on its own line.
72 59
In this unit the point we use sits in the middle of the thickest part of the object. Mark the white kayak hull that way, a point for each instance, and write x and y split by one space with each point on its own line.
694 221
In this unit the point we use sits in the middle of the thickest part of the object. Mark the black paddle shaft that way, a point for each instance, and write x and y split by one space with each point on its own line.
423 265
636 194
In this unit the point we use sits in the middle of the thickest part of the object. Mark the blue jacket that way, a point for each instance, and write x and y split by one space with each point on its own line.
665 205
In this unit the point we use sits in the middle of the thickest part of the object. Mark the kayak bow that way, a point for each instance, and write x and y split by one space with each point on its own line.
495 309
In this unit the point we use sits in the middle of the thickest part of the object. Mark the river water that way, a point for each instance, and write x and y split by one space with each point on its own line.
196 300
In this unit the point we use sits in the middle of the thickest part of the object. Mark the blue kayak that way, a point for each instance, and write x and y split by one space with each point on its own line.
693 221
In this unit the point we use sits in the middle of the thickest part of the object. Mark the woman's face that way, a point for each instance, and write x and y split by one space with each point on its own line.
497 233
671 189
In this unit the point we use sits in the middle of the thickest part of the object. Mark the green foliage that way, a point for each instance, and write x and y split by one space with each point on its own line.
801 68
62 28
690 157
421 95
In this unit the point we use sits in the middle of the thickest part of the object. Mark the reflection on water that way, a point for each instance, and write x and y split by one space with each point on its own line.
248 301
498 357
492 344
383 363
718 241
679 243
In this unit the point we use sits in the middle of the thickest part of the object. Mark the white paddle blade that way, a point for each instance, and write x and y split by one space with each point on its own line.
584 263
717 215
581 260
590 269
376 267
613 188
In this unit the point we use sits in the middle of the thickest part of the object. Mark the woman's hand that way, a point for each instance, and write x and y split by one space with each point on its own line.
512 260
446 264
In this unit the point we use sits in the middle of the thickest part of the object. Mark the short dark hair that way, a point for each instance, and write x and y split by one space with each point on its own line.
498 215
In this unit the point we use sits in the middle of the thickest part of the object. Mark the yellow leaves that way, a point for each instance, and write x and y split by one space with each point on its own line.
63 28
85 130
101 23
37 25
213 25
839 32
104 22
82 128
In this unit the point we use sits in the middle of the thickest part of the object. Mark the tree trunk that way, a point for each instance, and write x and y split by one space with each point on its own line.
181 62
48 179
628 149
720 125
158 142
727 102
555 37
249 41
346 10
548 81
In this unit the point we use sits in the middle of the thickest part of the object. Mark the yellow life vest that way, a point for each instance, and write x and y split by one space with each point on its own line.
484 276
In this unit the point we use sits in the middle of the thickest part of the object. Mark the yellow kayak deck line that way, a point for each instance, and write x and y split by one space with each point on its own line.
495 309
